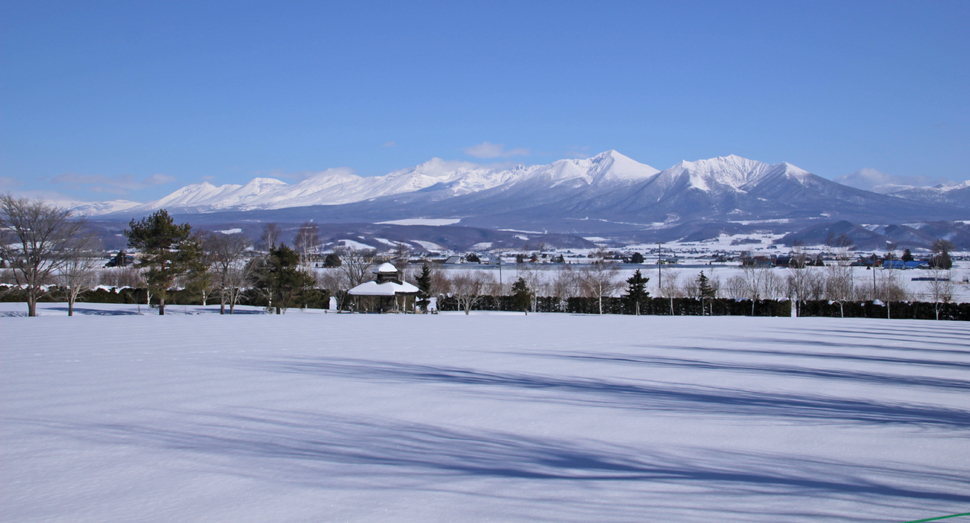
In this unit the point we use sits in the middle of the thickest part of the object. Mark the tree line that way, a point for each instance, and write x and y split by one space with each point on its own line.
50 252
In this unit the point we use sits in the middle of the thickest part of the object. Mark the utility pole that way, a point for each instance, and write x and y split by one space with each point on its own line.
660 261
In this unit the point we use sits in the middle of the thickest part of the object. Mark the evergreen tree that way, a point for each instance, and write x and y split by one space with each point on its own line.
424 285
907 256
704 289
637 290
168 251
198 279
636 258
521 295
704 286
278 277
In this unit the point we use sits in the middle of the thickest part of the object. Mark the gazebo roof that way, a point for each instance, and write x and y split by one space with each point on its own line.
385 268
372 288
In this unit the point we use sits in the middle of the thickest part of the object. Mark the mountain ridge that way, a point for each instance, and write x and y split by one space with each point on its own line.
608 187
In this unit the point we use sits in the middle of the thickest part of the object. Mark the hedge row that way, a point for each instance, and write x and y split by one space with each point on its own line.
725 307
913 310
650 306
320 299
313 298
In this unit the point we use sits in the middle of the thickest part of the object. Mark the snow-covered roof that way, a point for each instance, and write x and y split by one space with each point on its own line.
385 268
372 288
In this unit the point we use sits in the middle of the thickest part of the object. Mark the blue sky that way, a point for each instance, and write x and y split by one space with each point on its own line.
106 100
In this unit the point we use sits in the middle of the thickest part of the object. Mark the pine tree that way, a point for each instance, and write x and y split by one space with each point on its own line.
907 256
278 277
424 285
521 295
637 290
168 251
704 289
704 286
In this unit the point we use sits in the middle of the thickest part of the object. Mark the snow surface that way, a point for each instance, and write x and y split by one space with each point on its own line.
423 221
341 185
115 416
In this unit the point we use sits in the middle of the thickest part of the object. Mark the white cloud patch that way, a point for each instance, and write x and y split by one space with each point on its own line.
577 152
391 143
120 185
8 182
873 180
494 150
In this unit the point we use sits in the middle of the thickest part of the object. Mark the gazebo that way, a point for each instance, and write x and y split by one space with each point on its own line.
386 288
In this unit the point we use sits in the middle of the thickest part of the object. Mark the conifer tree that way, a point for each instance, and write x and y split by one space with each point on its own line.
637 290
704 289
424 285
279 277
521 295
167 248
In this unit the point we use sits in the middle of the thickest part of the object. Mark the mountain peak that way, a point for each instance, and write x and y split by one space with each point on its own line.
613 166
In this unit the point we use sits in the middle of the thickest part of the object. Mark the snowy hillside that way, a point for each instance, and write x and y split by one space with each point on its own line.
341 186
310 417
608 188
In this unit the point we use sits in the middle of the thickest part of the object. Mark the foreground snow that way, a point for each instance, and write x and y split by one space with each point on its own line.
115 416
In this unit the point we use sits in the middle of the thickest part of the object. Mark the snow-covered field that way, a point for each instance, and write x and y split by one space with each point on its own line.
115 416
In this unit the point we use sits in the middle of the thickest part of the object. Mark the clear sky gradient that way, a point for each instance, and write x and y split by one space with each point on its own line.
106 100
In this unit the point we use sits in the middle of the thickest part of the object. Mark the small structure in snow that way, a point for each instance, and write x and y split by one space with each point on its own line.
386 289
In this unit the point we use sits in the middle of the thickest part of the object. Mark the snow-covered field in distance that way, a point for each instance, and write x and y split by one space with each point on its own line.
115 416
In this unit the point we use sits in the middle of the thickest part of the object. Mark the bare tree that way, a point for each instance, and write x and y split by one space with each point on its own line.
839 283
814 284
34 240
939 289
306 243
534 281
355 264
692 289
401 258
669 287
599 279
270 237
798 270
226 252
80 270
440 282
565 284
123 277
760 284
736 287
335 281
469 287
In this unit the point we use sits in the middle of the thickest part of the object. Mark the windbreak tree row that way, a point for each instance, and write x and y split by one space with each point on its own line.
720 307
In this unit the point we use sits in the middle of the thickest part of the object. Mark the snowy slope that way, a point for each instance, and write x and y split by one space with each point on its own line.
341 186
609 187
108 417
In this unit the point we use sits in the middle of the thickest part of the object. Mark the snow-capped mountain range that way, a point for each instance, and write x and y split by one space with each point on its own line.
606 187
340 186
